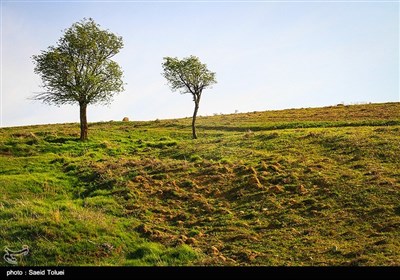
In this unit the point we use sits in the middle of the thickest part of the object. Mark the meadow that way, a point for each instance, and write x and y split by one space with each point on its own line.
296 187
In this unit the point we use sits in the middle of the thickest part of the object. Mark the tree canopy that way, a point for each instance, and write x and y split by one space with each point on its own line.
188 75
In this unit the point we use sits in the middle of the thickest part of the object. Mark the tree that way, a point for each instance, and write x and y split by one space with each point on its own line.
188 75
79 69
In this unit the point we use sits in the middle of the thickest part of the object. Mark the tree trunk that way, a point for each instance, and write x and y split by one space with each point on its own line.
196 108
84 125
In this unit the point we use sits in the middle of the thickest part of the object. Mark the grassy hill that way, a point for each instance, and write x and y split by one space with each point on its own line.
316 186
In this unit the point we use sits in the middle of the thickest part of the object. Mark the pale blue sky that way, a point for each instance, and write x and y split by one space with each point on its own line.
267 56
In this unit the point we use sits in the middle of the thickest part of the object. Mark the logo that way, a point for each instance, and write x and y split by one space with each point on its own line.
10 255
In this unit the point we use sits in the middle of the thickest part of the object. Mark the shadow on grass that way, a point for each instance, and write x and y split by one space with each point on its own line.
296 125
61 140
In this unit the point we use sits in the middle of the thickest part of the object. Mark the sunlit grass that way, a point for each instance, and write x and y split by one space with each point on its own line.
294 187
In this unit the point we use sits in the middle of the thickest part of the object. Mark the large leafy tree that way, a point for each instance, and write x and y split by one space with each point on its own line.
188 75
79 69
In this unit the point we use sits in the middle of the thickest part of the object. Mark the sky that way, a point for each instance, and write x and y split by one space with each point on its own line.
267 55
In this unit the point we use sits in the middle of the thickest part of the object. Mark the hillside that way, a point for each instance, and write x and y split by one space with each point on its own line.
316 186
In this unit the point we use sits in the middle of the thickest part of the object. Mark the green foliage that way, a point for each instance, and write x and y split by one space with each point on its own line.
79 69
187 75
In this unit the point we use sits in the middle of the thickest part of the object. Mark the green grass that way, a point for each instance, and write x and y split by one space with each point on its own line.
309 186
